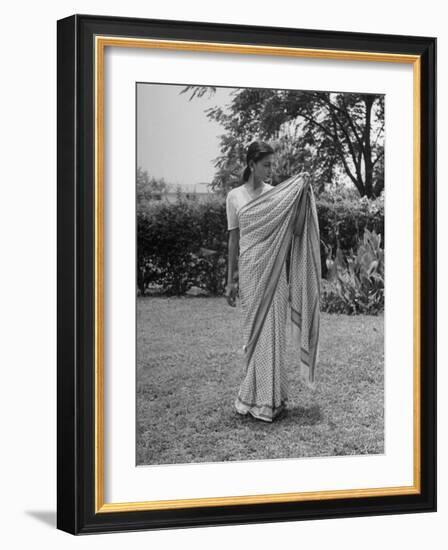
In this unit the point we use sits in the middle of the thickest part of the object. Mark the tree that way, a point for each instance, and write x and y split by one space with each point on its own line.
325 132
148 187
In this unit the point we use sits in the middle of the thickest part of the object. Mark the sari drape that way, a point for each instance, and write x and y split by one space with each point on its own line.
278 223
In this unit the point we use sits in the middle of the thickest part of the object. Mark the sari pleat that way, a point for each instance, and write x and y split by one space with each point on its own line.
279 223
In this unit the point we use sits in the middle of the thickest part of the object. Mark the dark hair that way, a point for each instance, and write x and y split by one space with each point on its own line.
256 151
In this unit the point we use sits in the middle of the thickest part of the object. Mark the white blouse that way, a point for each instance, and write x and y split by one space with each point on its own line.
237 198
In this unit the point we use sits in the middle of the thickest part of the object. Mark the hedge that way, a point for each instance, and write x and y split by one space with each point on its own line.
184 244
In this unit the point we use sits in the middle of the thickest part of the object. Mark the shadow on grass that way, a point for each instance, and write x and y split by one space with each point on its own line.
303 416
299 416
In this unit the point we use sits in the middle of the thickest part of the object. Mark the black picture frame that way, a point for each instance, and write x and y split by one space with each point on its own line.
77 493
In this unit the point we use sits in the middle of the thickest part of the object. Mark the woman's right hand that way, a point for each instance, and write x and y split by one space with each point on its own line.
231 292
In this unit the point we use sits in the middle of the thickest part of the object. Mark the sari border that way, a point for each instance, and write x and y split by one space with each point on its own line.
243 408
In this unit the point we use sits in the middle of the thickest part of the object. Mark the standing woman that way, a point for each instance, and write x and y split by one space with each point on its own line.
266 224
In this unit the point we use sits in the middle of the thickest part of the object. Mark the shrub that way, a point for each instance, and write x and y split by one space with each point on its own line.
330 300
356 283
342 221
184 244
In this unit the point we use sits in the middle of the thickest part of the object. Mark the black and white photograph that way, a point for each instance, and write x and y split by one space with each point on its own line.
260 276
246 266
228 218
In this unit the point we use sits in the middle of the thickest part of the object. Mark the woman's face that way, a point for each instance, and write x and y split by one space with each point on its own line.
262 169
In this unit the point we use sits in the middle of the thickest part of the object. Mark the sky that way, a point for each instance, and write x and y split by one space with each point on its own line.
175 139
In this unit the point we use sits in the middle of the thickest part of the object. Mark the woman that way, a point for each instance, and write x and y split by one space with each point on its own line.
266 224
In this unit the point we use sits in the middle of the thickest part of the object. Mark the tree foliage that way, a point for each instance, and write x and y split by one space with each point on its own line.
333 134
149 187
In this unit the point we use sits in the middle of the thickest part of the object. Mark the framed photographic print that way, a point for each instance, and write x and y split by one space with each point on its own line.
246 274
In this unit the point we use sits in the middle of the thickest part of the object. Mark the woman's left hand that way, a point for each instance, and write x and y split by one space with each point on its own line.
231 292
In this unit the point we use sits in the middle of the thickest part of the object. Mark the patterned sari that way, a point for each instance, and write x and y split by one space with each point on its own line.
279 223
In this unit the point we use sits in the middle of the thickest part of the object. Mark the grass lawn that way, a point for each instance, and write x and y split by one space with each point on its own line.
189 368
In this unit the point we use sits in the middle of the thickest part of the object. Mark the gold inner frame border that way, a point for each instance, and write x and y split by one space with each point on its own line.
101 42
